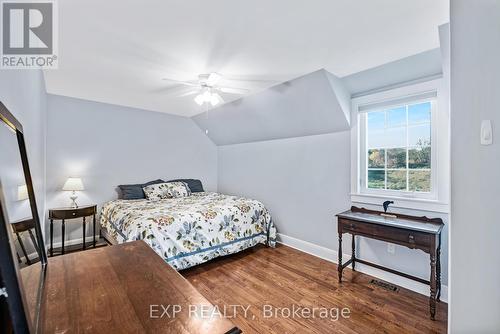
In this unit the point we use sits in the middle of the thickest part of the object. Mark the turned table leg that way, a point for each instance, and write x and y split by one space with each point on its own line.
63 232
438 269
93 231
340 258
84 228
432 298
353 256
52 237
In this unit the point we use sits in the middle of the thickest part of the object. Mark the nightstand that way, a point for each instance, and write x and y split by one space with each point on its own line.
71 213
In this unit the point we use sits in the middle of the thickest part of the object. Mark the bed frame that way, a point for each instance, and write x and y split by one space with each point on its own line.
106 236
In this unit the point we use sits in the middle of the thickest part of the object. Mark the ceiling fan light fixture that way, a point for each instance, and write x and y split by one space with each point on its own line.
199 99
207 96
214 100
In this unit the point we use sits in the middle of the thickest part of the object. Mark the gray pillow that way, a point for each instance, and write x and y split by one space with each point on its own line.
194 185
134 191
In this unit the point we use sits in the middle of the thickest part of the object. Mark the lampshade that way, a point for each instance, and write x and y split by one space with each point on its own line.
73 184
22 193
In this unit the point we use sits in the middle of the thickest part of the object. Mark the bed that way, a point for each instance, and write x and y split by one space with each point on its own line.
188 231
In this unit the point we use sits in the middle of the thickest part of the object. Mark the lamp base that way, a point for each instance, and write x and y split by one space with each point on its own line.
73 198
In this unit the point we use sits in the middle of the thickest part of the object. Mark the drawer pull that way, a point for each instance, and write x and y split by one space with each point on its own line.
352 226
411 239
74 213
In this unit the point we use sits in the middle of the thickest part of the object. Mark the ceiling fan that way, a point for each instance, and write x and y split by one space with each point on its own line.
208 89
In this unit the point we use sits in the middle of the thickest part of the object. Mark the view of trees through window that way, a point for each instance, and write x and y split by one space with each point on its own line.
398 143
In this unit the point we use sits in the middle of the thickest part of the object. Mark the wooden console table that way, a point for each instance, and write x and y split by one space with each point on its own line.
71 213
413 232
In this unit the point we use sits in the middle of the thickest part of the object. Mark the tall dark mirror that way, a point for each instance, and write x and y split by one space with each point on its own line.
23 253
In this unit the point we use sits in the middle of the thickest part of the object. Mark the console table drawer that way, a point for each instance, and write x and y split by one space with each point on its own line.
67 213
355 227
412 239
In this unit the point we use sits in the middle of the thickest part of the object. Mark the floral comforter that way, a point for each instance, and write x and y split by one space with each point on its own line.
187 231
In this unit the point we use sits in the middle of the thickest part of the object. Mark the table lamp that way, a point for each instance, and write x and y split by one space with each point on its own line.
73 184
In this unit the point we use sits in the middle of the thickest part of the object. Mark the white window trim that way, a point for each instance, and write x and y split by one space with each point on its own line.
438 199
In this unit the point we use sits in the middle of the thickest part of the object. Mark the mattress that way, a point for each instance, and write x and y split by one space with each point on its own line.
191 230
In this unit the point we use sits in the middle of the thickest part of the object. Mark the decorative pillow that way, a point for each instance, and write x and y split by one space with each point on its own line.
194 185
166 190
134 191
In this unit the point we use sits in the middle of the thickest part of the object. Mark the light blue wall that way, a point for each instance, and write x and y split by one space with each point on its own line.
303 181
107 145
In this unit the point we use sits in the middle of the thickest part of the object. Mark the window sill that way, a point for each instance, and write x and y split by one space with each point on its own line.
402 202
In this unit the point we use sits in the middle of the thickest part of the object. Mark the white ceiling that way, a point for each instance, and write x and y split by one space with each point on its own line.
118 51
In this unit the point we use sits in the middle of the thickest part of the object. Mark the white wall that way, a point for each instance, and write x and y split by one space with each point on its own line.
23 93
107 145
303 181
475 194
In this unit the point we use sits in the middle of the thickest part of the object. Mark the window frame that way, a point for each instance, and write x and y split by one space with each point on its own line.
439 201
363 158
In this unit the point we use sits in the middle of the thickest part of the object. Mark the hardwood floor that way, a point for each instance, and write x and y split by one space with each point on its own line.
284 277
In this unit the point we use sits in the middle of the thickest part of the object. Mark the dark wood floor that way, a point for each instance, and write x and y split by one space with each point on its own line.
283 277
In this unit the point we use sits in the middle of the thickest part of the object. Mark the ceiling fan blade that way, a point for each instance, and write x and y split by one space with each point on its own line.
213 78
192 92
171 90
186 83
232 90
249 80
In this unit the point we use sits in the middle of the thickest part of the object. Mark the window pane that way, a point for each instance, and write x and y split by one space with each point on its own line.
420 180
396 158
376 158
419 113
390 137
419 135
376 179
376 120
419 157
396 179
396 117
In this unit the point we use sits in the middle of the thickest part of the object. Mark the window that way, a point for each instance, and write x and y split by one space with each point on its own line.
400 147
397 149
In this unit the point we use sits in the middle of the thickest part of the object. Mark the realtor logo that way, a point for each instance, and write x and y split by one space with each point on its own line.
29 34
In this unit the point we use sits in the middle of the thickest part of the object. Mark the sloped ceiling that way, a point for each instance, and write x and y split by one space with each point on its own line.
312 104
117 51
422 65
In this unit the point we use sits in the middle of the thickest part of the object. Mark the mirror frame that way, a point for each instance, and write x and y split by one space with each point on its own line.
9 268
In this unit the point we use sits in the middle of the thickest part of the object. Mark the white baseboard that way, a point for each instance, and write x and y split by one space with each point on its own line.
72 242
31 256
332 256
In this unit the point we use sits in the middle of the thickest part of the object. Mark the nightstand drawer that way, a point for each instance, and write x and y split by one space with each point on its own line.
68 213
